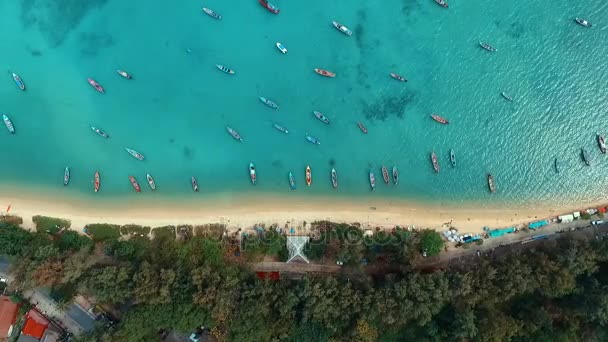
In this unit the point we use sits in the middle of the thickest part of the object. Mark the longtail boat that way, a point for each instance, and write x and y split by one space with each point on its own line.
442 3
66 175
18 81
135 154
342 28
252 174
194 184
96 181
395 175
398 77
385 174
8 123
334 178
234 133
100 132
134 184
439 119
362 127
325 73
372 180
269 6
151 181
212 13
225 69
435 162
308 176
292 181
491 183
96 85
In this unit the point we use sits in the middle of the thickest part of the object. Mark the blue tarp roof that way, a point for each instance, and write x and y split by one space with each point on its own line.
538 224
500 232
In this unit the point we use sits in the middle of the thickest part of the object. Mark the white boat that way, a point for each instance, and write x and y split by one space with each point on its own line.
8 123
583 22
282 48
134 153
269 103
342 28
212 13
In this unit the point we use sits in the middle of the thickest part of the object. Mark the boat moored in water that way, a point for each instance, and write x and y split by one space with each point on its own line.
582 22
320 116
395 175
342 28
453 157
312 139
8 123
372 180
96 181
442 3
292 181
308 176
439 119
99 132
124 74
385 174
151 181
212 13
66 176
269 6
18 81
491 183
194 184
325 73
134 184
435 162
601 143
280 128
269 103
225 69
234 133
506 96
135 154
556 165
362 127
487 47
585 157
281 48
334 178
398 77
96 85
252 174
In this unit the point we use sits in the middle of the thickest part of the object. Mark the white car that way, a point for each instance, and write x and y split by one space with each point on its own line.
595 223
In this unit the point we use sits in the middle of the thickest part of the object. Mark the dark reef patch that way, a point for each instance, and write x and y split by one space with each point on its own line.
408 7
332 162
92 43
188 152
277 163
56 19
387 106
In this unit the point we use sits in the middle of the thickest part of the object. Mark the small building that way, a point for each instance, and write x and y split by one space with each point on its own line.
566 218
8 316
538 224
34 327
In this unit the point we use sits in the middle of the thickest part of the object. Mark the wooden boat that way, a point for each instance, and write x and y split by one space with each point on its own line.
134 184
18 81
308 176
487 47
151 181
281 48
372 180
8 123
334 178
442 3
252 174
100 132
312 139
66 176
398 77
491 183
212 13
320 116
453 157
585 157
325 73
556 165
280 128
583 22
342 28
96 181
96 85
395 175
362 128
269 103
439 119
269 6
292 181
435 162
194 184
601 143
506 96
124 74
385 174
134 153
234 133
225 69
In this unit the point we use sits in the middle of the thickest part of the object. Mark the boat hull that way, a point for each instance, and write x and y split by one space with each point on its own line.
325 73
308 176
96 85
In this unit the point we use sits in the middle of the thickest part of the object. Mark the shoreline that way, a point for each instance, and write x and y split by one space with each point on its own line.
245 211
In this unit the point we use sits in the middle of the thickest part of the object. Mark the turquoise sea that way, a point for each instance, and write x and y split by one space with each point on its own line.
176 108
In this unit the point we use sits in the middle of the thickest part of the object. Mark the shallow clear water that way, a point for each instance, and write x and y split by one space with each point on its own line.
176 109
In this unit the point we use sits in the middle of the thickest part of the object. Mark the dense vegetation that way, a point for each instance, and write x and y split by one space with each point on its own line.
554 293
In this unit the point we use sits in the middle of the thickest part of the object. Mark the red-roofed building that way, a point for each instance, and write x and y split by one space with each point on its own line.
8 315
35 324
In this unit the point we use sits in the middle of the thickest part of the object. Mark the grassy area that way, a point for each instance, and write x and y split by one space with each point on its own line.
164 232
11 219
50 225
102 231
129 229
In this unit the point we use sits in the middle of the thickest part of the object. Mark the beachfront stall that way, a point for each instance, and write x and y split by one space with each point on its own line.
538 224
494 233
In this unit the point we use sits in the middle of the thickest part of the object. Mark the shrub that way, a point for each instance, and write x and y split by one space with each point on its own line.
129 229
102 231
479 242
164 232
585 216
11 219
51 225
431 241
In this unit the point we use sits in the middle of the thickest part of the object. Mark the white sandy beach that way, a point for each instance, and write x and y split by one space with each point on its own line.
245 212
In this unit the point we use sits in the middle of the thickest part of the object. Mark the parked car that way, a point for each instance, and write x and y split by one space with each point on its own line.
595 223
